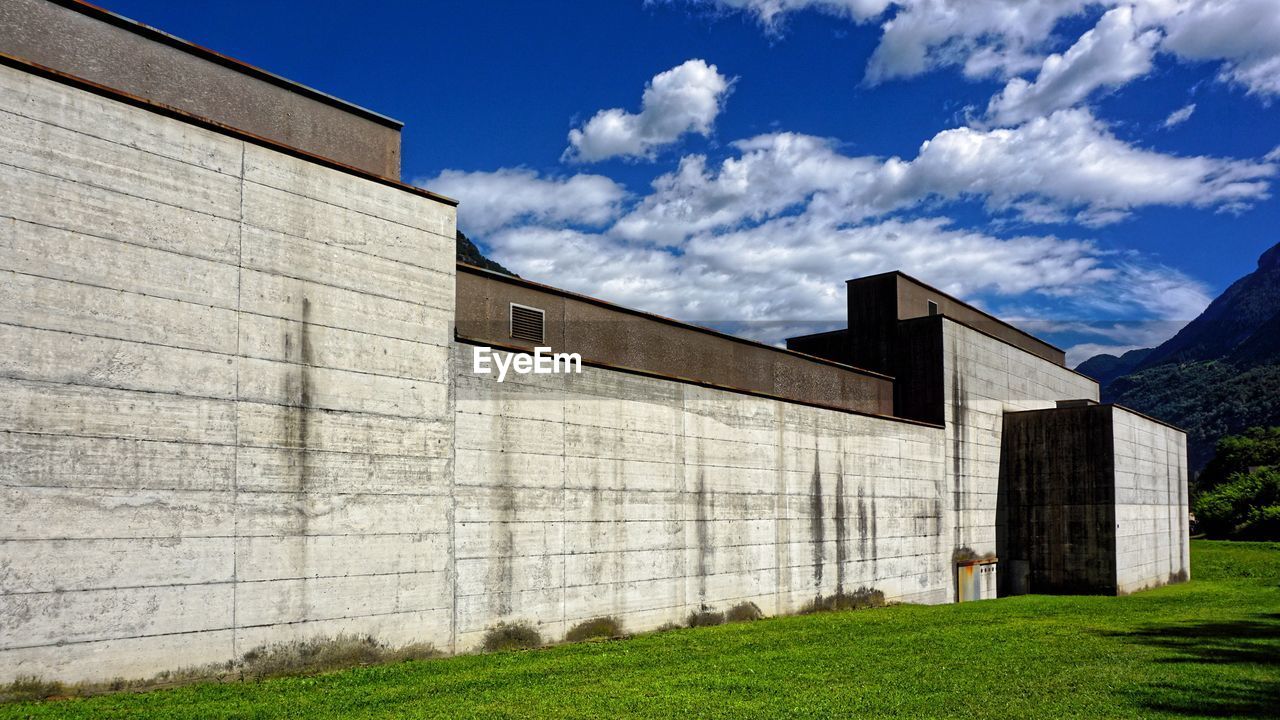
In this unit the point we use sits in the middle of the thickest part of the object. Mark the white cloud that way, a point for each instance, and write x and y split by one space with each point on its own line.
1003 38
1163 292
1117 337
770 11
1077 354
1245 34
491 200
761 242
1063 167
770 174
785 276
1181 115
684 99
985 37
1072 161
1111 54
1143 305
789 269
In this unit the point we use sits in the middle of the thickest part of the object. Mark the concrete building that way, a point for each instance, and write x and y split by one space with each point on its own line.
240 404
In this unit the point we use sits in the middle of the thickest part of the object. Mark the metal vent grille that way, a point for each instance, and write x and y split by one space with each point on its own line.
527 323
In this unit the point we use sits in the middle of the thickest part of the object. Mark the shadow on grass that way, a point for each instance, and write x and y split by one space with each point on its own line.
1254 642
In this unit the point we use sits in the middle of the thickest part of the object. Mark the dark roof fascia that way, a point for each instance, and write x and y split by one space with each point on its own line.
703 383
476 270
213 125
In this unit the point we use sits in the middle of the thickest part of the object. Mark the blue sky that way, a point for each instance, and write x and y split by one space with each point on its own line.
736 159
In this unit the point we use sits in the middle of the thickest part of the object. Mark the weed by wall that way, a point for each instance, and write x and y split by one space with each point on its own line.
856 600
705 617
298 657
511 636
744 612
601 628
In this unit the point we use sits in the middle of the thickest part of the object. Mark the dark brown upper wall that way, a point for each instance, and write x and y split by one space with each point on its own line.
92 44
913 299
610 336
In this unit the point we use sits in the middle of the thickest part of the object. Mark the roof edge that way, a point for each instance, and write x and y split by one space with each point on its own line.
980 331
1108 406
204 53
967 304
1144 416
80 83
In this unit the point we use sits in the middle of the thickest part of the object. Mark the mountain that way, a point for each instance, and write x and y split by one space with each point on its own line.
468 253
1219 376
1209 400
1261 347
1105 368
1229 321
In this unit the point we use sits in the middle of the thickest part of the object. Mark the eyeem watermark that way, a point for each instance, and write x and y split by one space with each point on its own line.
541 362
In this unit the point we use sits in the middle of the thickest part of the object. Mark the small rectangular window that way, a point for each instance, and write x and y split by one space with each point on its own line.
527 323
933 308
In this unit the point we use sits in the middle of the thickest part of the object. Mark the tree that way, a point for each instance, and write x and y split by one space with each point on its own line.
1256 447
1238 494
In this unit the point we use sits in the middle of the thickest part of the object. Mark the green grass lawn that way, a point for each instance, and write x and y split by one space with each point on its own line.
1210 647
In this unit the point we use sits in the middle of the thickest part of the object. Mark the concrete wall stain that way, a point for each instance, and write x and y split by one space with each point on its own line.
959 421
501 558
875 535
702 528
386 475
817 532
503 550
864 527
842 533
297 429
1169 492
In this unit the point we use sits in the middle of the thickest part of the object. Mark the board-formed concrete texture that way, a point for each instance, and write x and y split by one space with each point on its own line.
1150 461
609 493
227 415
1096 497
983 378
237 411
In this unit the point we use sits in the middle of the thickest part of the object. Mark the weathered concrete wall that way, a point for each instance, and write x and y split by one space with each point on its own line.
230 420
1096 498
1059 489
235 414
609 493
983 378
1152 541
227 416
